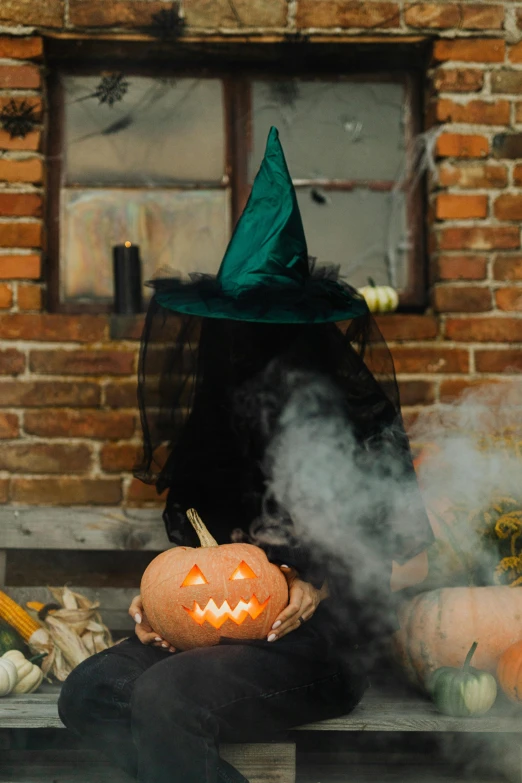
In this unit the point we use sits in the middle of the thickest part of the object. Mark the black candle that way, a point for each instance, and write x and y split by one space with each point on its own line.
127 279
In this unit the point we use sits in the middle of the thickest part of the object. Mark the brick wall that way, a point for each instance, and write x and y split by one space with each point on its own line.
67 391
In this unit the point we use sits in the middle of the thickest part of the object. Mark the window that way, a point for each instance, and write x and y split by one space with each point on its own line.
169 165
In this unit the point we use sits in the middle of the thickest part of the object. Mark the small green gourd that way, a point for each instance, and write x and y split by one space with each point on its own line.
463 692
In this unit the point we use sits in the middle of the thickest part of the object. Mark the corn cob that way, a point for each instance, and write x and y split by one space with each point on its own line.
17 617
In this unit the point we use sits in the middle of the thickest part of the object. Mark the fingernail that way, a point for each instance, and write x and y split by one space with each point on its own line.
157 639
164 645
272 637
276 624
137 617
285 566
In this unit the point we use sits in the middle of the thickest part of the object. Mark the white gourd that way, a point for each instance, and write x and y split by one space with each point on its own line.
380 298
8 677
29 675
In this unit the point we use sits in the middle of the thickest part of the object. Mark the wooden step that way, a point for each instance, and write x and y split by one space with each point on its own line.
260 763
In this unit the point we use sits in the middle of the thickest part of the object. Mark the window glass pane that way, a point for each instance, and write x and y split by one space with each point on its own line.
342 130
161 132
361 230
186 231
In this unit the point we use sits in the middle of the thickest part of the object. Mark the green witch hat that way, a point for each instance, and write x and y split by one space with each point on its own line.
266 275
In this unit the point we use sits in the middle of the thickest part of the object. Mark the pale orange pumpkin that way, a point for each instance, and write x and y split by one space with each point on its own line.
438 627
509 672
193 597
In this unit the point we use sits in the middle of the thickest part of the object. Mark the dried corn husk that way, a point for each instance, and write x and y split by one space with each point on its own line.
70 634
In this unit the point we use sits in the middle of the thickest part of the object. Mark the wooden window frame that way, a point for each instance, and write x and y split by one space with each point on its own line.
238 142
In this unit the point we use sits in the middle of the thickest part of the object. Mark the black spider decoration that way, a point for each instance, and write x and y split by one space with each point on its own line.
286 93
18 118
318 197
168 23
111 89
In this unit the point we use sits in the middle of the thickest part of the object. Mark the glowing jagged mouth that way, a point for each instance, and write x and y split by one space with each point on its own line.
217 615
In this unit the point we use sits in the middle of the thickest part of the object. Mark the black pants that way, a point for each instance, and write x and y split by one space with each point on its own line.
161 716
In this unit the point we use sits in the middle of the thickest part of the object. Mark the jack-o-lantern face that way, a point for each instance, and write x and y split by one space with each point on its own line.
192 597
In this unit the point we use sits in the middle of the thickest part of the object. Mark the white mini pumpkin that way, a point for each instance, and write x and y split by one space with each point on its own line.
380 298
29 676
8 677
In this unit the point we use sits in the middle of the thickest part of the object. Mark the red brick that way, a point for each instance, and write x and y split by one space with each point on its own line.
18 48
48 394
4 490
21 77
461 299
29 297
346 14
119 457
480 238
121 395
31 100
6 296
53 327
518 112
20 204
416 392
484 330
461 267
475 112
508 206
66 491
509 299
473 175
458 80
470 50
498 361
505 81
30 170
451 390
12 362
20 267
515 53
26 12
507 145
507 268
20 234
457 145
467 16
24 457
399 327
451 207
58 423
429 360
127 327
31 142
517 174
93 362
8 426
139 493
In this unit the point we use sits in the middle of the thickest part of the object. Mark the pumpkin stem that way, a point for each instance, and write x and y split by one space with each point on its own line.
38 658
469 656
371 282
205 538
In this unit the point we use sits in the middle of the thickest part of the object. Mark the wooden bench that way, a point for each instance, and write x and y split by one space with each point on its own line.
381 710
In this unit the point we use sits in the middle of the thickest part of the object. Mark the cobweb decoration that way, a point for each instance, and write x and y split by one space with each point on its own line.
168 23
111 89
18 118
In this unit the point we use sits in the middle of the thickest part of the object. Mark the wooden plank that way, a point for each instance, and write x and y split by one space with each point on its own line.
263 763
114 601
86 528
382 710
374 773
379 711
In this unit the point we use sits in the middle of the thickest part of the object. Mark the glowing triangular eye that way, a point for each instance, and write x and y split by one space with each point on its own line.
194 577
243 571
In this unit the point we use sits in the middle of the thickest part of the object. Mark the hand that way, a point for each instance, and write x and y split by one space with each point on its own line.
143 629
304 599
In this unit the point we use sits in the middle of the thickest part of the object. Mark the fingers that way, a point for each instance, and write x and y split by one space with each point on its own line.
136 609
302 605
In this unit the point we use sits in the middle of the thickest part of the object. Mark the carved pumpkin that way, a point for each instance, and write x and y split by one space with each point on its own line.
193 597
509 672
437 628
